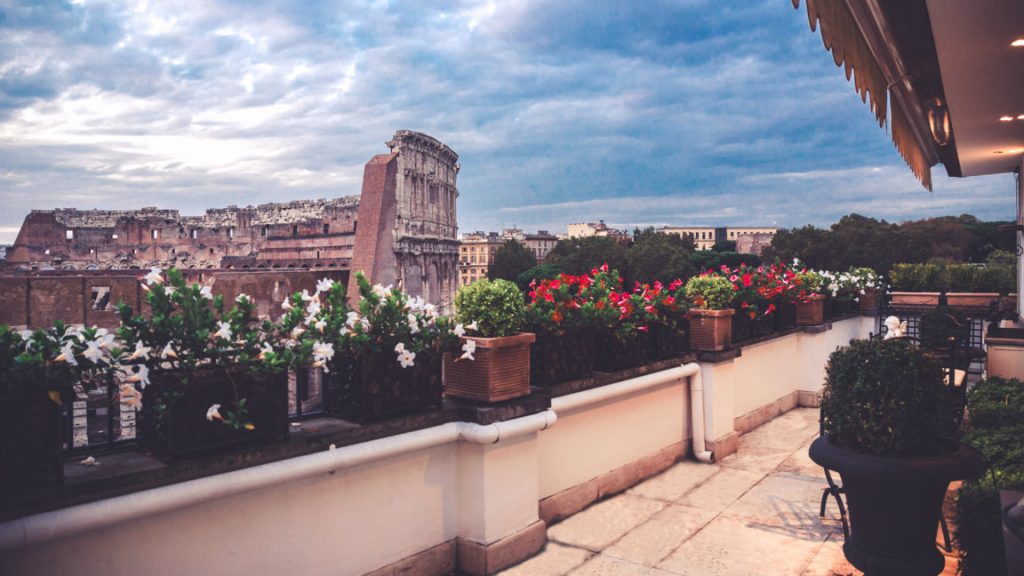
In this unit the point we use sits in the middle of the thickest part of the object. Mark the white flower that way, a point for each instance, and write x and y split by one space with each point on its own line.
324 285
286 304
414 325
155 276
130 396
320 325
382 291
26 335
206 292
89 461
214 412
311 319
399 348
416 303
468 349
322 354
472 326
168 352
223 331
141 376
406 358
141 351
264 350
313 308
67 354
297 331
306 296
104 338
352 318
93 352
242 298
459 330
73 331
430 309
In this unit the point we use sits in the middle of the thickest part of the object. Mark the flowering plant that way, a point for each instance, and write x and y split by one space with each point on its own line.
314 325
710 291
188 330
847 286
55 359
388 321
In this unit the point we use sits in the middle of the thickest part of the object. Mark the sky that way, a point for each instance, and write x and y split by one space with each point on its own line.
686 112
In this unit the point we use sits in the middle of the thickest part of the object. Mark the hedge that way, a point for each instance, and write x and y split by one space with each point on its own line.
1001 278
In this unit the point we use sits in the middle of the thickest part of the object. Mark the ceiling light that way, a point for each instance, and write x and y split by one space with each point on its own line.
1018 43
1010 151
1021 117
1006 118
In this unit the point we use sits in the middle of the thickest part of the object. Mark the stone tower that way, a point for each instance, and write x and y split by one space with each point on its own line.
409 197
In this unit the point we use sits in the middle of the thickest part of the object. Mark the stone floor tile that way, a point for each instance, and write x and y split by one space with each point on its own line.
829 560
790 502
655 539
800 464
721 490
757 459
737 546
554 560
607 566
605 522
674 483
785 432
809 417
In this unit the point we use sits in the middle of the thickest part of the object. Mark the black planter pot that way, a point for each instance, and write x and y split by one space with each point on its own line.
174 409
375 386
895 505
612 353
837 308
562 357
30 441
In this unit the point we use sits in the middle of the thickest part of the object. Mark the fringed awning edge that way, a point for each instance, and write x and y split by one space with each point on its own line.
842 36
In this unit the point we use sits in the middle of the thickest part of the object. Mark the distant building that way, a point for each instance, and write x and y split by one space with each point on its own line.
541 244
749 240
586 229
476 254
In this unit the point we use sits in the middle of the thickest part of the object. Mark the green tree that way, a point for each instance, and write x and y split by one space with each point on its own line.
511 260
540 272
658 256
581 255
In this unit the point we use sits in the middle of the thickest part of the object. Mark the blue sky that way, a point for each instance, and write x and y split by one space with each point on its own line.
639 113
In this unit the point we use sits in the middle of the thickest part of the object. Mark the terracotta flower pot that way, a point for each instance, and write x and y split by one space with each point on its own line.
499 371
710 330
811 312
868 301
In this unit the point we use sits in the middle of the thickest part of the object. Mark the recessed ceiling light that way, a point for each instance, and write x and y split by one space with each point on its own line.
1010 151
1021 117
1006 118
1018 43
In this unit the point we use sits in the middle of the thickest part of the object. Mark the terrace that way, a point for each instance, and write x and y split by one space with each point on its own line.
696 464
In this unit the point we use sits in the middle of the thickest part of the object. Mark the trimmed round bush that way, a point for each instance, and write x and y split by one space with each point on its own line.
497 306
710 292
885 398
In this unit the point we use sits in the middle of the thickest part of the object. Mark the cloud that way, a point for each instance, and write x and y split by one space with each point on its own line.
657 112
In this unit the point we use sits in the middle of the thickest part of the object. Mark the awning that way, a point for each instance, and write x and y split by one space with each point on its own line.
846 39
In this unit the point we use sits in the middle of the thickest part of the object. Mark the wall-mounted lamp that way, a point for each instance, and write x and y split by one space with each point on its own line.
938 122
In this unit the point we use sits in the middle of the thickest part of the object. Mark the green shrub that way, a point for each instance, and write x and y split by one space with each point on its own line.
497 306
941 323
884 398
710 292
996 427
933 277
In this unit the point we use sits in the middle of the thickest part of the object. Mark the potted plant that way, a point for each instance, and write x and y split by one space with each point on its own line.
868 285
40 370
667 307
711 314
390 358
495 365
621 321
885 421
562 321
208 378
810 310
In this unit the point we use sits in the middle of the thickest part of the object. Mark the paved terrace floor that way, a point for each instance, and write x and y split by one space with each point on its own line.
754 513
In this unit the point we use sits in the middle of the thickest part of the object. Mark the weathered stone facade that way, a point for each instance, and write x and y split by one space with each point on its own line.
402 231
408 203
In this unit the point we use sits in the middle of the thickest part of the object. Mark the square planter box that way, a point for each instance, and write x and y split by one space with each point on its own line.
30 441
174 409
612 353
837 308
562 357
375 386
868 301
710 330
500 370
811 312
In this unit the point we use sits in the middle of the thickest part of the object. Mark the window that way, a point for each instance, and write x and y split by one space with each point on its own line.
264 231
295 230
195 233
69 234
155 234
231 233
326 228
100 297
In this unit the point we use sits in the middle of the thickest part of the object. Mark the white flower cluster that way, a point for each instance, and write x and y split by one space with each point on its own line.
855 282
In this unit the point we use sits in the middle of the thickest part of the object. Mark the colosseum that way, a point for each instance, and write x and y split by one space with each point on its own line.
401 230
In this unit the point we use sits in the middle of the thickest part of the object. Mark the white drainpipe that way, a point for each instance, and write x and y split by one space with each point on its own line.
690 371
47 526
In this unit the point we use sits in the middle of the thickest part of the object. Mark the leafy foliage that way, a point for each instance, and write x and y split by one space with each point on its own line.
656 256
511 260
933 277
496 306
577 256
537 273
996 426
884 398
710 291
